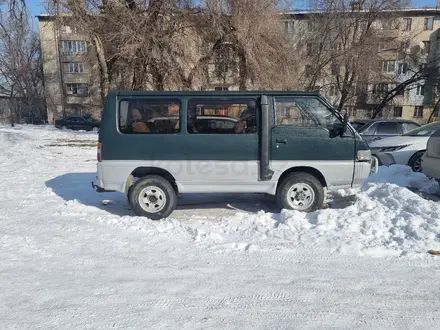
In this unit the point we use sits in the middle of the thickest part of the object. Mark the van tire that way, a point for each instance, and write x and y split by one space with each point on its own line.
159 188
312 197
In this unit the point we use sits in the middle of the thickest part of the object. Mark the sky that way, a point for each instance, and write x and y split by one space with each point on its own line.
37 6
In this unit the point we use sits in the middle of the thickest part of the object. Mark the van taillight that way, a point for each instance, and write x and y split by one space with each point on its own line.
99 152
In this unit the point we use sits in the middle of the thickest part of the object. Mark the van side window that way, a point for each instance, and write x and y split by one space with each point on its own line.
289 114
149 116
222 116
303 112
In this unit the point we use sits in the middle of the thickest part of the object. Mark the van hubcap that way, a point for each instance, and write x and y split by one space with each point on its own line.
301 196
152 199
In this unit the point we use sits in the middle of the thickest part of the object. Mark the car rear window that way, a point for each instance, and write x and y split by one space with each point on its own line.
387 128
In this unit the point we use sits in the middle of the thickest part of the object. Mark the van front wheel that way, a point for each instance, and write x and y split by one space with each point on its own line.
153 197
300 191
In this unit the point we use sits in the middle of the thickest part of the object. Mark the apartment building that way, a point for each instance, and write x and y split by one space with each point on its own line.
418 29
72 86
70 77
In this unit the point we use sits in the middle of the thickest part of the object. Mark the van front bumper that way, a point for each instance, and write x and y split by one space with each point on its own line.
362 170
374 165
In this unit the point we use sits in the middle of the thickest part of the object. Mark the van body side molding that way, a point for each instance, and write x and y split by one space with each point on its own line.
265 172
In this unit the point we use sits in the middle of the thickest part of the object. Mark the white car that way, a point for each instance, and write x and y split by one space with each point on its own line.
406 149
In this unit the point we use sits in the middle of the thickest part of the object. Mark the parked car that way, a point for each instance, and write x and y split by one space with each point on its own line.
358 123
377 129
202 124
77 123
407 149
292 150
431 158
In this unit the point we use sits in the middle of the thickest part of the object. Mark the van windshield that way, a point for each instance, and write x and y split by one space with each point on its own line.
425 130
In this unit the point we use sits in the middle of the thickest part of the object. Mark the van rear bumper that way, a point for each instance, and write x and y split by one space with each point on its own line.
100 189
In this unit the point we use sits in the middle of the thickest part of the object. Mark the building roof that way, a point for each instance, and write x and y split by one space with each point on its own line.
409 10
304 12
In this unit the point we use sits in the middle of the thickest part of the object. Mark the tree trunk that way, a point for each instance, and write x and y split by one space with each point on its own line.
243 69
104 79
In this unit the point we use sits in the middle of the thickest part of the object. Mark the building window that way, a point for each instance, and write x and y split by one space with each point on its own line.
401 92
422 67
311 25
71 47
75 67
407 23
389 66
223 60
429 23
289 26
418 111
420 90
397 111
66 29
402 68
352 111
77 89
332 91
380 88
221 88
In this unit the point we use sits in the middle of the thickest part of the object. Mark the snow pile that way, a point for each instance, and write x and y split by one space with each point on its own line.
382 218
403 176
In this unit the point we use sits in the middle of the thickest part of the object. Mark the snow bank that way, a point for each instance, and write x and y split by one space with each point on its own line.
384 219
403 176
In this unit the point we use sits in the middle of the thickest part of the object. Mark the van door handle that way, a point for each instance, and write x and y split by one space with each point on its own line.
281 141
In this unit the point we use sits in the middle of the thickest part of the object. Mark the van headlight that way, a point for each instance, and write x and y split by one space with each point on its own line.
364 155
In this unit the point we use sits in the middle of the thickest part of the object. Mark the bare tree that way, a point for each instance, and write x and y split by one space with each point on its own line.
341 40
251 34
168 44
20 63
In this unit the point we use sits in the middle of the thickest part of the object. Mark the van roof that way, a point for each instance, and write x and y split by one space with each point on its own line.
206 93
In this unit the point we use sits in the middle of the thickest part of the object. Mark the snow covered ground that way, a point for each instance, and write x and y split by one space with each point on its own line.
72 258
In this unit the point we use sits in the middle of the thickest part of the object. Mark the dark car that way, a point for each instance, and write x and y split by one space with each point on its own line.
377 129
78 123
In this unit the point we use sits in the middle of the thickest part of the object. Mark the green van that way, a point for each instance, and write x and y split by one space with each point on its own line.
154 146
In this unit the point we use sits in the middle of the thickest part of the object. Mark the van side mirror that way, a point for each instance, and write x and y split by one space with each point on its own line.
337 127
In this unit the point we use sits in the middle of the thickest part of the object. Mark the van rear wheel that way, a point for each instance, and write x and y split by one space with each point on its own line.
300 191
153 197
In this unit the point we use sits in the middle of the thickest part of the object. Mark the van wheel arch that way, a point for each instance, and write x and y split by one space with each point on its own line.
141 172
304 169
